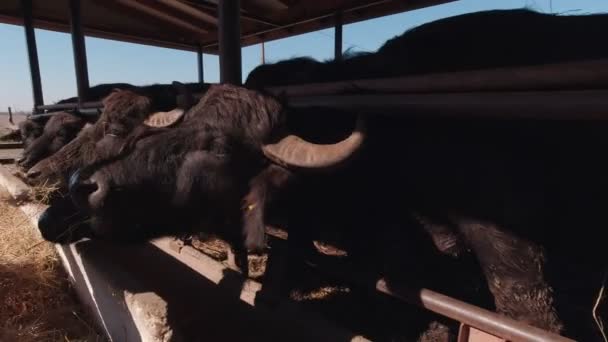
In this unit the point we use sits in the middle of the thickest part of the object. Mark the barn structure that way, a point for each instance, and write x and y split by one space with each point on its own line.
223 27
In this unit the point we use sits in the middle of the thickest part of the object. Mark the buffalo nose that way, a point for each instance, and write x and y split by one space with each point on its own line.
81 189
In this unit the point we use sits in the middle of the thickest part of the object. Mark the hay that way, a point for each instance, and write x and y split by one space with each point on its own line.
36 301
320 293
42 193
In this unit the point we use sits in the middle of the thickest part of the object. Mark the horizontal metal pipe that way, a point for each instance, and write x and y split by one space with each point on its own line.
571 75
583 104
10 145
482 319
73 105
77 112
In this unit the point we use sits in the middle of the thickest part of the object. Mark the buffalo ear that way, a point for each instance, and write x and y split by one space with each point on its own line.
185 99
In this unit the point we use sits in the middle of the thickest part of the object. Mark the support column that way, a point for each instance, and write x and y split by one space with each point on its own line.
199 64
79 50
32 53
338 37
230 41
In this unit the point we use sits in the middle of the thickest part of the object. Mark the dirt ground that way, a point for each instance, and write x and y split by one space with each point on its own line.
36 300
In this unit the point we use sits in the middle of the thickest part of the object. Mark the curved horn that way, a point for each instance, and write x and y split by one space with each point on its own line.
164 119
293 151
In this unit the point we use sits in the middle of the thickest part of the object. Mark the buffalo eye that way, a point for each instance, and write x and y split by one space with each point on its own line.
114 130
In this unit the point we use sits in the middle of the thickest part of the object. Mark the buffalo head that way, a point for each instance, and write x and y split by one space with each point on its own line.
59 130
123 111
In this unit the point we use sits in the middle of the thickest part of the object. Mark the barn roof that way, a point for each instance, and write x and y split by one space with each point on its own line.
184 24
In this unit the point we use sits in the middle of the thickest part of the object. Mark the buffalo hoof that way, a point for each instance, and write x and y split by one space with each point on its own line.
62 223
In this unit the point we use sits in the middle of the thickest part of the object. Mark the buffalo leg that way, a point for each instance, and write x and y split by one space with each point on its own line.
264 189
514 271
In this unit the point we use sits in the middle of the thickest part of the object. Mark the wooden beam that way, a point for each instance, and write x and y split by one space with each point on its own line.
153 12
32 53
190 10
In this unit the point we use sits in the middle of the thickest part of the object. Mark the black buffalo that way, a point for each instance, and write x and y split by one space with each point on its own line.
511 200
123 111
510 192
43 137
479 40
59 130
228 150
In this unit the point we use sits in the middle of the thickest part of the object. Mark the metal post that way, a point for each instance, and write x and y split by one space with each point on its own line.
32 52
199 64
80 54
230 41
10 116
338 37
263 54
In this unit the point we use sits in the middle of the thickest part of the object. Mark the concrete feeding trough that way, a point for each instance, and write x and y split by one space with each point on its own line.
154 292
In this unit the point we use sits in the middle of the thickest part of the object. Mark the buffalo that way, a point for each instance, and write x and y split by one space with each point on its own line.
123 111
59 130
213 161
507 200
43 137
508 38
33 126
524 197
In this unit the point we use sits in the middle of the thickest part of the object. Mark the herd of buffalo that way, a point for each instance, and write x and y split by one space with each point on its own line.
523 201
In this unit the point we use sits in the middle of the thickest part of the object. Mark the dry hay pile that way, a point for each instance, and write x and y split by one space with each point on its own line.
36 301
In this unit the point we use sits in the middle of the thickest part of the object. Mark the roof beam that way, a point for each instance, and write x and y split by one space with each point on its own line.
144 8
192 11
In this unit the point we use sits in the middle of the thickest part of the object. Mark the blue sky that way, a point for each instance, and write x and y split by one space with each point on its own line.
111 61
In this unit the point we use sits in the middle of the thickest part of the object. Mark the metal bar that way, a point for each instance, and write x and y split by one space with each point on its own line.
85 112
190 10
10 145
582 104
571 75
80 53
199 64
263 53
338 37
485 320
84 105
140 7
10 116
229 41
32 53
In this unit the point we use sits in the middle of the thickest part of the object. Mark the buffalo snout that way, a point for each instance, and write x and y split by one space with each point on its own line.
62 223
80 189
87 193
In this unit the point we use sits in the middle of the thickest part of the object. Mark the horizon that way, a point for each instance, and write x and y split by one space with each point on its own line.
113 61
